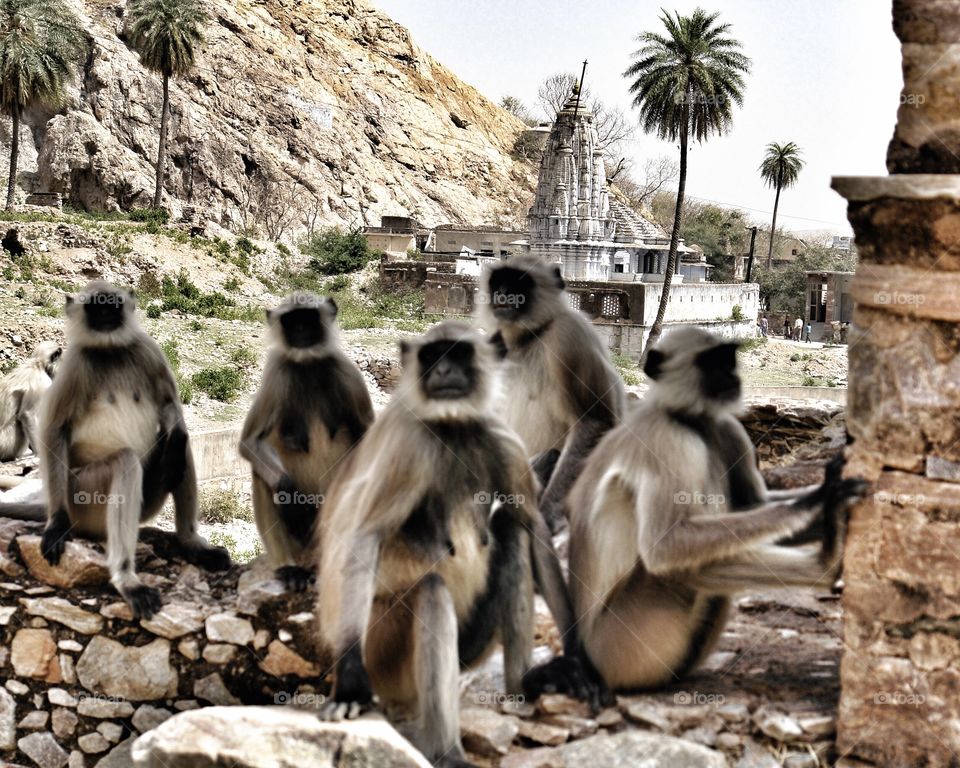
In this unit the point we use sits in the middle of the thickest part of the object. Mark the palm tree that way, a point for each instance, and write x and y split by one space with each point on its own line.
39 42
780 168
166 33
685 83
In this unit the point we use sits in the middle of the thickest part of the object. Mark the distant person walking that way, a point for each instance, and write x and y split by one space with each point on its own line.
786 327
806 333
764 325
797 328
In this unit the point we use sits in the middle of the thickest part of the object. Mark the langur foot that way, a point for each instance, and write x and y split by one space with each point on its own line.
295 578
335 711
209 558
55 538
144 601
568 675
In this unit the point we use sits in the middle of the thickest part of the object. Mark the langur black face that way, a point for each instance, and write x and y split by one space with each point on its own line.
512 293
303 327
103 310
447 369
718 372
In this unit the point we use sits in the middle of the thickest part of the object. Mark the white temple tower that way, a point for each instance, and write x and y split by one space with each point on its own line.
570 219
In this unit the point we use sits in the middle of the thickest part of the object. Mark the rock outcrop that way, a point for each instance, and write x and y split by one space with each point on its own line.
324 110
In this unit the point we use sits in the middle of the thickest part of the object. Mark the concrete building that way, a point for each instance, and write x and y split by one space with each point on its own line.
483 240
398 235
829 304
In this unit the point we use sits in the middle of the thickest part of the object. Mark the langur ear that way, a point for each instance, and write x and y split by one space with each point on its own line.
653 365
405 349
333 305
69 299
268 313
558 275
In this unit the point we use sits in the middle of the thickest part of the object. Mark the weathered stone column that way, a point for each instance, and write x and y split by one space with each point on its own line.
900 675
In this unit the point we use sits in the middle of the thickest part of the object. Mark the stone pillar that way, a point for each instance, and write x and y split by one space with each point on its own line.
900 674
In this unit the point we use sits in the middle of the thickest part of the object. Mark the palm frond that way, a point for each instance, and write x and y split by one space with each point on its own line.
687 77
40 43
166 33
781 165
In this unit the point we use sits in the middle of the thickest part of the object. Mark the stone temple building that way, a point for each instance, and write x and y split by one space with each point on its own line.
576 219
612 259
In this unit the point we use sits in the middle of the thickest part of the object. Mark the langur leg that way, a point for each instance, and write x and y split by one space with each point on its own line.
195 548
437 672
123 506
276 540
512 590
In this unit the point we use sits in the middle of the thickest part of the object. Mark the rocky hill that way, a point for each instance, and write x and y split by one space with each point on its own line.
316 111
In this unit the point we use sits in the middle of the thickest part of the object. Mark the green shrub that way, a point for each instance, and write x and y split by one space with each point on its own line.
245 246
748 345
196 325
628 370
184 386
736 314
223 383
809 381
404 305
233 284
150 215
154 311
283 250
334 252
182 294
222 507
244 357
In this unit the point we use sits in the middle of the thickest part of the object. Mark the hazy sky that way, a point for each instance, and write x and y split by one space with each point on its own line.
825 74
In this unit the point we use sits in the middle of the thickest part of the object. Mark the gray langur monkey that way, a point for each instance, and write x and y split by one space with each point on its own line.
671 517
311 409
114 443
431 541
20 393
560 391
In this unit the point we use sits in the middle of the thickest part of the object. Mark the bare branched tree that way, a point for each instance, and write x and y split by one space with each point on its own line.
554 92
656 175
518 109
614 128
273 204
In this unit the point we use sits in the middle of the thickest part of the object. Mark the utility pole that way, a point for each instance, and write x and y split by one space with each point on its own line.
753 242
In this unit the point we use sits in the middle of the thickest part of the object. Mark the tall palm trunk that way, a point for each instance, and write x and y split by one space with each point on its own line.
162 151
14 156
657 326
773 226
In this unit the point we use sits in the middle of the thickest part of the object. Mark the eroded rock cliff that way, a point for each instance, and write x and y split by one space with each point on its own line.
325 111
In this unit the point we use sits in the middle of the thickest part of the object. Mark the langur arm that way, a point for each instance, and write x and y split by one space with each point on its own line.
28 422
586 435
262 456
694 540
351 683
54 456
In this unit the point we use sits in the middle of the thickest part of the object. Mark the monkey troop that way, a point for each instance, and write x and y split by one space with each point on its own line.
427 527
